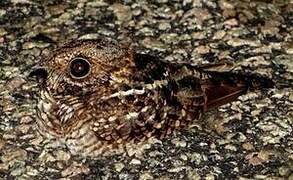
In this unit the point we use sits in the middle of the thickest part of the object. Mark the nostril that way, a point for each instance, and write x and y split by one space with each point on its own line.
39 73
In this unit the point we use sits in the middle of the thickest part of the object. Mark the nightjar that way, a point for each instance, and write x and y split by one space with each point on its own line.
98 95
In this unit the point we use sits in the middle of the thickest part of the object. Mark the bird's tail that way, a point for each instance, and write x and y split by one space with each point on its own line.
224 85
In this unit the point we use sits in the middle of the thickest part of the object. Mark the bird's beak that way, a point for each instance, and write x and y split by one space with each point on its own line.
39 73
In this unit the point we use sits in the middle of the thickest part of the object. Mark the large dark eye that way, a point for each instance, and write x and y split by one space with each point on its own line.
79 68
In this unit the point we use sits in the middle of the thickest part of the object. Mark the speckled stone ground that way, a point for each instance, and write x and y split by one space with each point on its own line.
250 138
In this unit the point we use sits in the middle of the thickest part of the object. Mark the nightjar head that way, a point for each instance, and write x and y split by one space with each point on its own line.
73 76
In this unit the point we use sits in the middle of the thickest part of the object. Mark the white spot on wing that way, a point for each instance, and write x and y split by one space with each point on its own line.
132 115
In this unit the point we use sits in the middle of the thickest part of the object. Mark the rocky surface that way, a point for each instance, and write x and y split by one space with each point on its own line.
250 138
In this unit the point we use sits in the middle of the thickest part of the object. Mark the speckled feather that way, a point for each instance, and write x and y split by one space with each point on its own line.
127 97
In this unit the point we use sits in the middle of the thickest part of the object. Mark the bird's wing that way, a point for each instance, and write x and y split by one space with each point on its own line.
220 93
223 85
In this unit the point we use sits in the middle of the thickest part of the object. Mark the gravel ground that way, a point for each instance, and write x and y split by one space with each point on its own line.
250 138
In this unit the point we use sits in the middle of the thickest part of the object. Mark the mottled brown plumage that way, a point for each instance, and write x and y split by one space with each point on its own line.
98 95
